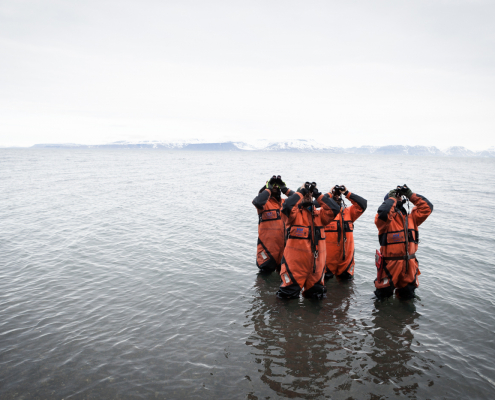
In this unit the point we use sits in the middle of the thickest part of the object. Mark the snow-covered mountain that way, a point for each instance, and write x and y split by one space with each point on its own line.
299 145
486 153
459 151
409 150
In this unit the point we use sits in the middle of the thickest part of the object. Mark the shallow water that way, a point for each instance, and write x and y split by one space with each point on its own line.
131 274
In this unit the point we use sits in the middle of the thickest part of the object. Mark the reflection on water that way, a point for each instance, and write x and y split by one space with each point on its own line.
309 349
393 334
290 359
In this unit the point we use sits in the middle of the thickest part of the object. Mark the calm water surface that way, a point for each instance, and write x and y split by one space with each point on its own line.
131 274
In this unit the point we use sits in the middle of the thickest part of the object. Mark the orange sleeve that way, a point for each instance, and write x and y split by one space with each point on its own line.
358 207
329 208
422 208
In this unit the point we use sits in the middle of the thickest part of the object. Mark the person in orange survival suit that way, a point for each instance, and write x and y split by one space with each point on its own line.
339 235
271 224
303 263
399 237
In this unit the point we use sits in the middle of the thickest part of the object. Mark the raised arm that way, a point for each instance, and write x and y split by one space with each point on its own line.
283 187
329 208
422 208
260 200
358 205
386 212
288 192
290 206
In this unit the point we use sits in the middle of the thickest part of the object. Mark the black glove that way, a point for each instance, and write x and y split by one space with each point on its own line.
404 190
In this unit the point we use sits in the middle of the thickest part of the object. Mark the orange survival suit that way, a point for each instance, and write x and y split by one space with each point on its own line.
303 263
271 230
340 238
398 235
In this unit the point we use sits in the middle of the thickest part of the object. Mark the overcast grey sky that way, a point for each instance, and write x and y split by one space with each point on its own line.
345 73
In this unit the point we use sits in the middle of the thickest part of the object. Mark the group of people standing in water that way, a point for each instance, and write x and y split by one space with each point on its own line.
308 238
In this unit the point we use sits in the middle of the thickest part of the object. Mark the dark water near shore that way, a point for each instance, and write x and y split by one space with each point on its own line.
131 274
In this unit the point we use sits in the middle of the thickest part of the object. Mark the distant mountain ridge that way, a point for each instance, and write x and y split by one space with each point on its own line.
300 146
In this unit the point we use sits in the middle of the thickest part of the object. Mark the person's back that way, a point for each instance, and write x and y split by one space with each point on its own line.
271 225
339 235
304 257
399 237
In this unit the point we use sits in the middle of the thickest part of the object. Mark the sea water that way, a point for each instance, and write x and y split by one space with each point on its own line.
131 274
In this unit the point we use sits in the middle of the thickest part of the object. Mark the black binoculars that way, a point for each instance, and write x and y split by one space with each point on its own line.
310 186
339 188
402 189
276 180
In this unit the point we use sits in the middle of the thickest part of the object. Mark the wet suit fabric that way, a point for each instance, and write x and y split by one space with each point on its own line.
271 231
303 263
340 238
398 244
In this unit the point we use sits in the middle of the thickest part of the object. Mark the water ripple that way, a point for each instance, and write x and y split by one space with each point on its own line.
130 274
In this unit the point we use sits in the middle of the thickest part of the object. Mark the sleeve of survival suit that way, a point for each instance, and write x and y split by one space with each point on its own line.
422 208
290 208
386 213
358 205
329 208
260 200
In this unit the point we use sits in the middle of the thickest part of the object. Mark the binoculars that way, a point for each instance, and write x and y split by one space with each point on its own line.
338 190
402 189
276 180
310 186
